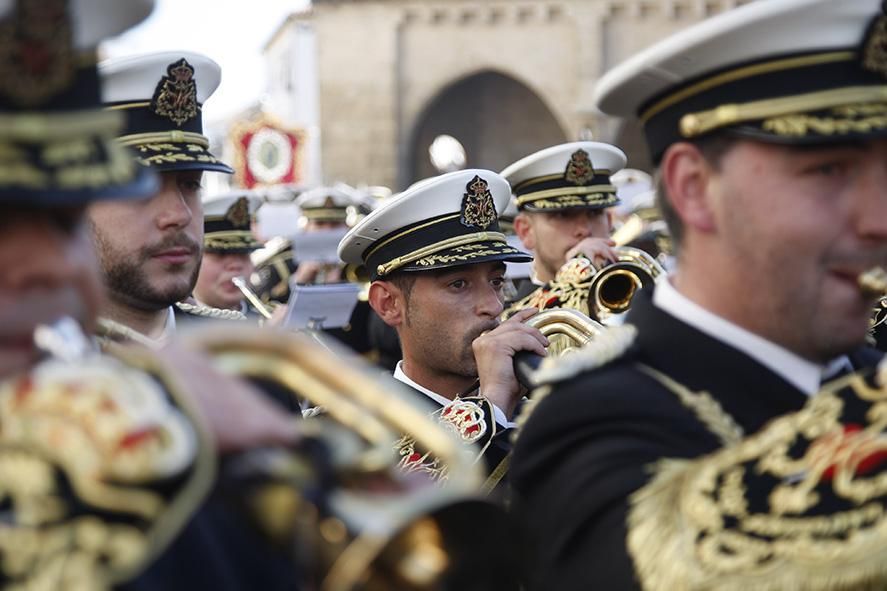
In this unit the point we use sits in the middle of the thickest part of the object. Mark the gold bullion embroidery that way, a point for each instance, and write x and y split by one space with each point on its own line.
803 125
572 201
874 51
413 460
37 59
230 240
465 419
580 170
707 409
175 96
753 515
462 254
570 288
238 213
478 209
80 449
879 315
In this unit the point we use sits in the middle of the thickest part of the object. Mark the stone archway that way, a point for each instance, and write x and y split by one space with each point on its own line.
496 118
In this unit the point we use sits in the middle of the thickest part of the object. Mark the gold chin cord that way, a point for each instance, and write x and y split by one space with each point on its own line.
358 520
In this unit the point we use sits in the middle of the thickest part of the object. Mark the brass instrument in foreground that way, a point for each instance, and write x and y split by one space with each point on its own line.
361 522
565 330
601 294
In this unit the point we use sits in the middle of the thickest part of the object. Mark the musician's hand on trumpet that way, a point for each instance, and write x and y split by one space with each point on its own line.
599 251
494 353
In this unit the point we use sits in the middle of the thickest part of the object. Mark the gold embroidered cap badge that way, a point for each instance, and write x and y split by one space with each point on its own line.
478 208
37 58
175 96
874 46
579 169
238 213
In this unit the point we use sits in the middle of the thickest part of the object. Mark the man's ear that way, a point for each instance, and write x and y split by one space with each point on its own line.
686 175
523 227
387 301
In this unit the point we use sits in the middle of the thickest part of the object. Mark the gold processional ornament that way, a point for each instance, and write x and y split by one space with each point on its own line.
360 521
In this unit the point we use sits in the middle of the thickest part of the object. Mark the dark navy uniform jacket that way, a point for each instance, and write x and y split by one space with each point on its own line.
591 442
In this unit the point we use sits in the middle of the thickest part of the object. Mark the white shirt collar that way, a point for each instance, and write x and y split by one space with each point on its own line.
400 375
169 328
801 373
498 414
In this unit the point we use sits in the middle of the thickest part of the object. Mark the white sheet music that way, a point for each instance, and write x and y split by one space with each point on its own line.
321 306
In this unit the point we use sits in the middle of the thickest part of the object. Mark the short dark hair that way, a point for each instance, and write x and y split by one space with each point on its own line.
713 148
404 281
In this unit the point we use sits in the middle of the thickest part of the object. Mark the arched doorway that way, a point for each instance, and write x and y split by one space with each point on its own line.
496 118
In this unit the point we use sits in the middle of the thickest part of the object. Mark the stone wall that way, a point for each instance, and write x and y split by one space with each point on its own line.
383 64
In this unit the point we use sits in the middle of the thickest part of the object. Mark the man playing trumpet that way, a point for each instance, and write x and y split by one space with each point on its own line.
437 260
650 464
227 243
564 196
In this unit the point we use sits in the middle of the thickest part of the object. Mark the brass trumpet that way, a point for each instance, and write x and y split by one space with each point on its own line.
368 525
600 294
252 297
565 330
613 286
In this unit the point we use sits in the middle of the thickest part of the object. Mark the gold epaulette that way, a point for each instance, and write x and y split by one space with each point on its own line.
210 312
802 504
99 471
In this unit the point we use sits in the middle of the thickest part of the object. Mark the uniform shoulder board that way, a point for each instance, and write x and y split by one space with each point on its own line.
210 312
604 348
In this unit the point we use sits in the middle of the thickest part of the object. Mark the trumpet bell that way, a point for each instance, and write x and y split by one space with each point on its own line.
565 329
602 294
615 285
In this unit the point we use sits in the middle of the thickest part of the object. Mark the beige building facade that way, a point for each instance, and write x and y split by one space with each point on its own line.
504 77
